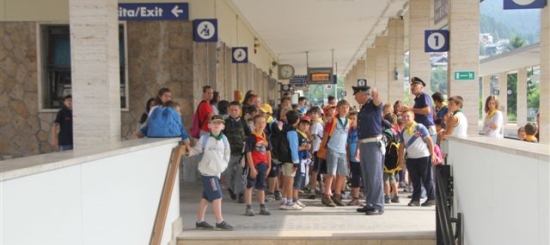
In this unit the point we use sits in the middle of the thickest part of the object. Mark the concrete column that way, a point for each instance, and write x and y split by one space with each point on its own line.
360 70
503 94
382 68
371 67
521 97
463 55
544 106
486 89
419 20
396 30
95 72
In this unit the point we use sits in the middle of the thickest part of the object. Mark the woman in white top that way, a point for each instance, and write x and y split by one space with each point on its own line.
492 125
457 124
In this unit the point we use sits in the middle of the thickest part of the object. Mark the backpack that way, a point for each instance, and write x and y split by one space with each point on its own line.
392 150
322 152
204 140
195 130
281 149
164 122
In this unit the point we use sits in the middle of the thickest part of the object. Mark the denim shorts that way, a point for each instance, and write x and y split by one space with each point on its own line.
259 182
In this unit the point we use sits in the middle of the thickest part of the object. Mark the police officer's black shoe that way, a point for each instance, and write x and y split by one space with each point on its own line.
364 209
375 212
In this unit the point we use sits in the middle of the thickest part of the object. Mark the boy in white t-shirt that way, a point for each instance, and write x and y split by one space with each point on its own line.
416 140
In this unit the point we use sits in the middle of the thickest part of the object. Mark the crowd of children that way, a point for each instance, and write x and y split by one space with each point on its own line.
283 154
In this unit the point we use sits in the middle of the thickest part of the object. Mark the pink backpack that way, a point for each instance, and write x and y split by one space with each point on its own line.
438 153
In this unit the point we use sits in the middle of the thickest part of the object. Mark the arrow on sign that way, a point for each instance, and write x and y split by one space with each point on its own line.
176 11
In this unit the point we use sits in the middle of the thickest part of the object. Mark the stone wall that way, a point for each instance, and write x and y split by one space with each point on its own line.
160 54
23 131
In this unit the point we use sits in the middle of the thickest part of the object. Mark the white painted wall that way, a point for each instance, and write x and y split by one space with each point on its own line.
503 189
111 200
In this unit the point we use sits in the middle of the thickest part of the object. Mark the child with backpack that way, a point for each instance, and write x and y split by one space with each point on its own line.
288 147
391 160
165 122
237 131
216 152
416 140
353 163
304 145
336 133
258 160
316 130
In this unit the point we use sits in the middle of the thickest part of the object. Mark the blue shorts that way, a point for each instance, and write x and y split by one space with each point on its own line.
299 179
259 183
211 188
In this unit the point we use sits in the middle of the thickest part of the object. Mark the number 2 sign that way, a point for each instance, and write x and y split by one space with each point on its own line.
436 41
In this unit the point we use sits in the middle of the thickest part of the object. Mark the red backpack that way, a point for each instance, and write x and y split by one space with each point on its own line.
195 130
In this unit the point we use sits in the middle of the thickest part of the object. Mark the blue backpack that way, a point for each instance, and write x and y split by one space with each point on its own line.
164 122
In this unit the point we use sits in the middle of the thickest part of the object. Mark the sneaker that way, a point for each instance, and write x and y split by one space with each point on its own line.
337 199
264 211
249 212
300 204
327 201
294 206
241 198
277 195
414 204
269 198
387 199
395 199
203 225
282 206
429 203
232 194
312 196
224 226
354 202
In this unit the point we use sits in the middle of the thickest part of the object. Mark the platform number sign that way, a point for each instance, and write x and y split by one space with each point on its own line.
436 41
240 54
524 4
205 30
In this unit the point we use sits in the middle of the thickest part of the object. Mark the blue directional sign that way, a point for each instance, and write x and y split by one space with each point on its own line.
298 80
436 41
524 4
240 54
205 30
153 11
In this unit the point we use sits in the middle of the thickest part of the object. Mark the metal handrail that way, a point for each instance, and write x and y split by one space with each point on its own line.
444 199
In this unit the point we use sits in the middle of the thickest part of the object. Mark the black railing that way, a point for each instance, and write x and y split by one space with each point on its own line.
444 221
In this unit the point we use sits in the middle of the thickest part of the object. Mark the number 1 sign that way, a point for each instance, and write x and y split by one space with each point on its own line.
436 41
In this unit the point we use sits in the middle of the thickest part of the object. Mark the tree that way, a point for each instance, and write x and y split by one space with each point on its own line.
517 42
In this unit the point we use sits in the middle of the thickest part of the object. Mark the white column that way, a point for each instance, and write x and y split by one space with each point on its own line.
464 56
486 88
521 97
371 67
382 67
503 94
544 107
396 30
95 72
419 21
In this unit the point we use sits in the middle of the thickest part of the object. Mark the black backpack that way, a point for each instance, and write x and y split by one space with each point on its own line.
280 151
392 150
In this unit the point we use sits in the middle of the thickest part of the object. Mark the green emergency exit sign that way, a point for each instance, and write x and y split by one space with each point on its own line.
465 75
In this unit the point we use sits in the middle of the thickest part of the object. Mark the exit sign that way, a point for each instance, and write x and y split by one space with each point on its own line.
465 75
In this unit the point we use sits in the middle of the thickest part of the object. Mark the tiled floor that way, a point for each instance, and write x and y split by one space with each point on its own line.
315 221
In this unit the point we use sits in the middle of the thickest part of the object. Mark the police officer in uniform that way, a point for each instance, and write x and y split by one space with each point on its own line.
369 128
